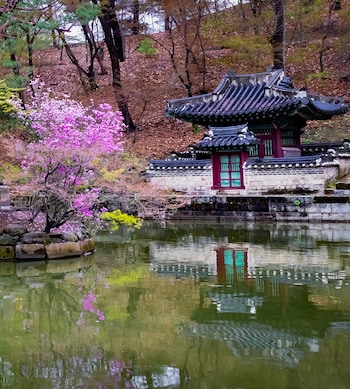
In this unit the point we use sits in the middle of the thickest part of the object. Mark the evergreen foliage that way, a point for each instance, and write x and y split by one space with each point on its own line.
87 12
146 47
6 95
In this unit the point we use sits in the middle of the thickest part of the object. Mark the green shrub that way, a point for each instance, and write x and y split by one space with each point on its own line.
146 47
117 218
6 94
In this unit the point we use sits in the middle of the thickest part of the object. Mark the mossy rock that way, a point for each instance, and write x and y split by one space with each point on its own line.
15 229
7 253
87 246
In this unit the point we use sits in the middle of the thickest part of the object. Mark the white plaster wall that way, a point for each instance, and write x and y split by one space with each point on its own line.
257 181
190 182
188 252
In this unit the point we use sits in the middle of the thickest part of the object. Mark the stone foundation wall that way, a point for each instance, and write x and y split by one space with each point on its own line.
18 244
273 208
269 180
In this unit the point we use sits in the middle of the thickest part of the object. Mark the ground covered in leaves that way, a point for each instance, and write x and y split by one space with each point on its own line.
149 81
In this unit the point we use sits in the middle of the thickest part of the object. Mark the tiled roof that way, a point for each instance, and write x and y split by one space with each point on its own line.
302 161
180 164
228 137
254 97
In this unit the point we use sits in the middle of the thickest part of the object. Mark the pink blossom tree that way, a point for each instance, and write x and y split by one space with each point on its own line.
71 142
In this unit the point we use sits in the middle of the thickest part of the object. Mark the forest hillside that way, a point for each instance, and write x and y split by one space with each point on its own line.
314 60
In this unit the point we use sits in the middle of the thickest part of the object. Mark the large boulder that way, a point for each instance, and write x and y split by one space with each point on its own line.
15 229
36 237
7 253
8 240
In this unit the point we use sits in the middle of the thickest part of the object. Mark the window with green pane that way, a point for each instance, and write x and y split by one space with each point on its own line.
228 260
290 137
254 151
230 171
268 148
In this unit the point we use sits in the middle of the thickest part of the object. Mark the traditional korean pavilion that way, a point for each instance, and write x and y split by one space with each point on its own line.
252 118
267 102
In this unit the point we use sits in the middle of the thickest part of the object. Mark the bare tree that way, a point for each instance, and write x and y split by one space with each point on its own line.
184 25
277 39
135 17
333 5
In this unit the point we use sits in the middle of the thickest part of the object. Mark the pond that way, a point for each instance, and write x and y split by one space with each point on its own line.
183 305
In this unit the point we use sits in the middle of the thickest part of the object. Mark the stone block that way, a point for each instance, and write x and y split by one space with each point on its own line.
36 237
7 253
8 240
63 250
30 251
15 229
4 197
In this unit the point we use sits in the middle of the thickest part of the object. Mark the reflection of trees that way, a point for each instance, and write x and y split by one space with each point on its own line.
148 333
56 307
57 311
82 368
329 368
134 298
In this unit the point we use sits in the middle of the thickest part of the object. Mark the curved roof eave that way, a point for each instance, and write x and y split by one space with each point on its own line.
254 98
320 110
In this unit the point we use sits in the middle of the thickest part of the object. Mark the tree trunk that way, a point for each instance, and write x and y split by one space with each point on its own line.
113 39
30 41
16 73
278 37
90 73
136 17
167 23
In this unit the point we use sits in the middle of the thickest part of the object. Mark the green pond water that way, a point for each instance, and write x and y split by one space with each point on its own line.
183 305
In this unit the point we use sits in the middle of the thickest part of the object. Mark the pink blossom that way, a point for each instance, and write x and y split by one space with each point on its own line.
70 140
88 305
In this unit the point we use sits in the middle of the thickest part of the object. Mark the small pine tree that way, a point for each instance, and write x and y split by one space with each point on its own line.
6 94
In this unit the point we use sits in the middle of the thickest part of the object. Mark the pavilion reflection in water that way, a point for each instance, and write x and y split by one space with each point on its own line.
242 300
